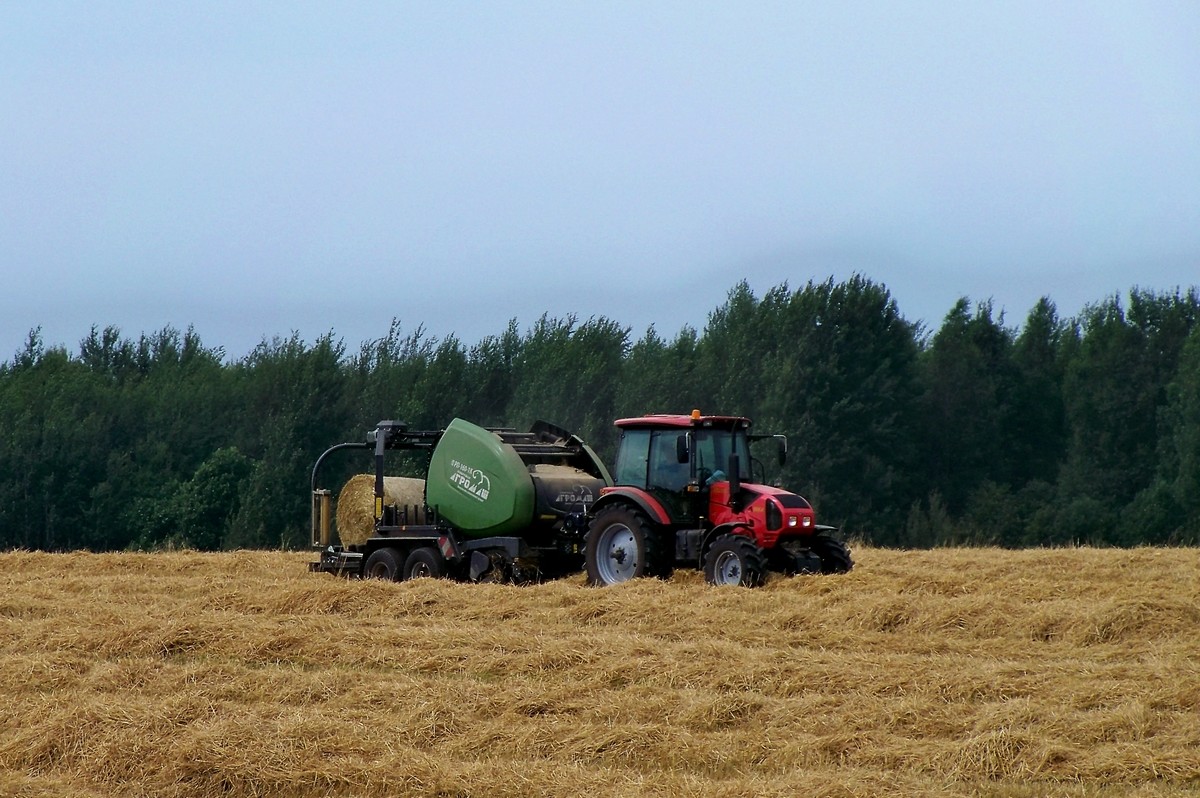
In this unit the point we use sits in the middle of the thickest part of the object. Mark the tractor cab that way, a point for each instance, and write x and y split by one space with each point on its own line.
677 459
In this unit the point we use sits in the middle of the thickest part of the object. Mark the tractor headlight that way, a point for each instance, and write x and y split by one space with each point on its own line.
793 520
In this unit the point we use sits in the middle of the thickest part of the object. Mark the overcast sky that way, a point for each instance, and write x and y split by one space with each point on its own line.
258 168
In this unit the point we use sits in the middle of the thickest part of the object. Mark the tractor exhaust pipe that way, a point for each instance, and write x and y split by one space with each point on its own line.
735 483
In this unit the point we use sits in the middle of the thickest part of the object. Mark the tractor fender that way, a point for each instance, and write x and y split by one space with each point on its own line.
732 528
635 496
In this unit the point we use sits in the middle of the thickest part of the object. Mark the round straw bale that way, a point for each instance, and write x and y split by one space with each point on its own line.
356 505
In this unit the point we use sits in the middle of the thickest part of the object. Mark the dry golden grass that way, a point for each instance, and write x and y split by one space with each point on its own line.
951 672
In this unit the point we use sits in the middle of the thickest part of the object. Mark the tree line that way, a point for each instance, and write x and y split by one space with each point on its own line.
1054 432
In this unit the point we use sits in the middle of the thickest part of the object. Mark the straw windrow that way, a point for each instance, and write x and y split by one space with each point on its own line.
948 672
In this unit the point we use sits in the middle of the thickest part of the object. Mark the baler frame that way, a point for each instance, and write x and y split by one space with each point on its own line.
473 557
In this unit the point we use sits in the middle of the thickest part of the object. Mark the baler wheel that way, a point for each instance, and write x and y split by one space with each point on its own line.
735 560
424 562
383 564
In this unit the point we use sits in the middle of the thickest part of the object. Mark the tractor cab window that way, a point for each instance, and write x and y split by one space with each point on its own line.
666 471
713 447
633 458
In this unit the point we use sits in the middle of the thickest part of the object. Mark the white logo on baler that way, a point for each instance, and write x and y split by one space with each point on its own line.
470 481
580 494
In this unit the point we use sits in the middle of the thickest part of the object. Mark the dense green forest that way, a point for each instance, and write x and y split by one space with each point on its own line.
1051 431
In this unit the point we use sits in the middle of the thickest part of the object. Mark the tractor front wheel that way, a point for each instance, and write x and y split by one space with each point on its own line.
623 544
735 560
835 556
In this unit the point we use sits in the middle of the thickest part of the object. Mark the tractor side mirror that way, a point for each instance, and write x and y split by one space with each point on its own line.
782 449
681 448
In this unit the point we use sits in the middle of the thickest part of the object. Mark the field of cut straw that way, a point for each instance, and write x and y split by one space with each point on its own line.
950 672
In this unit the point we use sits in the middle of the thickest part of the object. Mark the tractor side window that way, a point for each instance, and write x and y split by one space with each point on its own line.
632 458
665 469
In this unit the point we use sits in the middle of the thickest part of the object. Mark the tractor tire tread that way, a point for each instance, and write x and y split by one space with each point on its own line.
658 559
753 559
834 554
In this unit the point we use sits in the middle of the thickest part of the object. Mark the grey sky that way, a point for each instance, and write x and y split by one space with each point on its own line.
257 168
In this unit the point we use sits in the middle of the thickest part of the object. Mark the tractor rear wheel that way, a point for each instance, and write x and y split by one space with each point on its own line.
735 560
383 564
623 544
425 561
835 556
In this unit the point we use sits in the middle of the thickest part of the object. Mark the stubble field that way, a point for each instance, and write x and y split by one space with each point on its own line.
950 672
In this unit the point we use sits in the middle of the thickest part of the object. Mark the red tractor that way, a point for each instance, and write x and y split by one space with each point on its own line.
684 495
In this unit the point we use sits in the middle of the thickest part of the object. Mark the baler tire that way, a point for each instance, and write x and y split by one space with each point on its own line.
834 554
383 564
735 560
610 536
424 562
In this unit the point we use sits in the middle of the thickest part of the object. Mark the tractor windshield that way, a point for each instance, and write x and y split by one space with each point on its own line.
713 447
649 458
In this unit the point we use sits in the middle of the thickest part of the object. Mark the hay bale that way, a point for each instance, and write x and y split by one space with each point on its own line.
356 505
